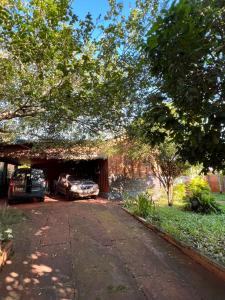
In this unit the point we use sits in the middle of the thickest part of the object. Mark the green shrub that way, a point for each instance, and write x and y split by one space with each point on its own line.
179 192
197 184
130 203
199 197
5 234
144 205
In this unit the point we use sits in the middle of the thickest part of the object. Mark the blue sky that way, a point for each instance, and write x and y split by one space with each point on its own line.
95 7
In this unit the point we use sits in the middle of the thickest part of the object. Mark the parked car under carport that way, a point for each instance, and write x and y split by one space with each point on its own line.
72 187
80 160
26 184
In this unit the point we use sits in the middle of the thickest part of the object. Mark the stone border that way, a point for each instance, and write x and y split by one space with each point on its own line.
200 258
7 250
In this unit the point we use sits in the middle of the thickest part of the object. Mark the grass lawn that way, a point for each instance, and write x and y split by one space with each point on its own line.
220 198
8 217
204 232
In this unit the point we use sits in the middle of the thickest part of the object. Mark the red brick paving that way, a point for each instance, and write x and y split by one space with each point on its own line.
91 249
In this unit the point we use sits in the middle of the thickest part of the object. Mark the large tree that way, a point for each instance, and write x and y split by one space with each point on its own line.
186 53
58 72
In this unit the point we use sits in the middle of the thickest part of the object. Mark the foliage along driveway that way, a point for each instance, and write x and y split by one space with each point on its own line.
94 250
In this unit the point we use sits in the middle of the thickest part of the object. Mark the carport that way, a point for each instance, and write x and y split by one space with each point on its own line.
82 161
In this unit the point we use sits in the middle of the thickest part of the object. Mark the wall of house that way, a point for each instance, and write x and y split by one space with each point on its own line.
128 177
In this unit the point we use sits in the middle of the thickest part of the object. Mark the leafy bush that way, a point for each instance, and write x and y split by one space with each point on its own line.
5 234
198 184
179 192
130 203
141 205
144 205
199 197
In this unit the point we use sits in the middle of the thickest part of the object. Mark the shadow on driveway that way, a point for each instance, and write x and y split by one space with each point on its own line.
91 249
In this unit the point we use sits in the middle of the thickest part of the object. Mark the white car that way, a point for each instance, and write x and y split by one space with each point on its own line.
71 187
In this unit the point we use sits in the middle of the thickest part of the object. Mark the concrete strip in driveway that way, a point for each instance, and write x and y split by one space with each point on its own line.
93 250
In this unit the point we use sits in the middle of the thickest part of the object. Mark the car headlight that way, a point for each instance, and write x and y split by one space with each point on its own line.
74 188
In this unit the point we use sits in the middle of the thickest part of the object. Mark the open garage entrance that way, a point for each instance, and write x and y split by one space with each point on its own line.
54 162
96 170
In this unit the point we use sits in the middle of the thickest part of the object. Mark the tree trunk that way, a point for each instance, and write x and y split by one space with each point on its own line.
170 194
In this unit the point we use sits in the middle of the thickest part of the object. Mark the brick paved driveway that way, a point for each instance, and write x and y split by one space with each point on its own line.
93 250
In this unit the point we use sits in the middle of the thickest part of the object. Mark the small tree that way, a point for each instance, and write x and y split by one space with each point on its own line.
164 161
166 166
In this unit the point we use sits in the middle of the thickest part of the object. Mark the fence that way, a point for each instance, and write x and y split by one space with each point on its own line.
216 183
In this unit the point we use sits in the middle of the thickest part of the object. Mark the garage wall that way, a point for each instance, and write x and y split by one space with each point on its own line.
104 177
120 165
128 177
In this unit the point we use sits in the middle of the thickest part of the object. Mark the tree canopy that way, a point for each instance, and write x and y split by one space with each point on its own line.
62 76
186 57
59 73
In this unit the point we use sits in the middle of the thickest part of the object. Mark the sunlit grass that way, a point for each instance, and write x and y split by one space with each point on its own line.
219 197
203 232
164 203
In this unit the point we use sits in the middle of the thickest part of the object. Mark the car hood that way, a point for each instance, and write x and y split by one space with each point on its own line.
80 182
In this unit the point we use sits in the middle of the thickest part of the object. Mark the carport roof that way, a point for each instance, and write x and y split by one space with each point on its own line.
29 151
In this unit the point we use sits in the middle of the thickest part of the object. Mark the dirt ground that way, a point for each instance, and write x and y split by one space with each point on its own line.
93 250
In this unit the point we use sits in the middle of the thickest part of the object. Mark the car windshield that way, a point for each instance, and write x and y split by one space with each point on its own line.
79 181
20 174
72 178
33 174
37 174
87 182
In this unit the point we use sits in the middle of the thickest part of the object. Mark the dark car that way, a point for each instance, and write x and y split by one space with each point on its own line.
25 184
71 187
